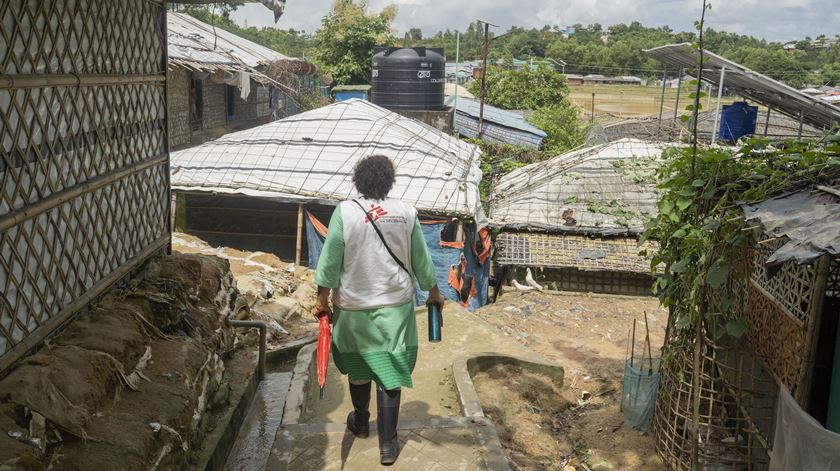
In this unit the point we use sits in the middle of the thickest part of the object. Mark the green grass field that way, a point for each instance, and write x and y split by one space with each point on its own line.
614 102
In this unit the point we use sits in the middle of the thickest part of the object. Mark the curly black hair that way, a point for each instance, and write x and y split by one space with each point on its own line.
374 176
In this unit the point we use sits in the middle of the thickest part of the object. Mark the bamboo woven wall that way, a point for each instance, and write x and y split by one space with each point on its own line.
537 249
739 378
84 179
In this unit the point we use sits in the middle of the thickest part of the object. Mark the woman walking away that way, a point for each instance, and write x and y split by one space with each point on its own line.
372 256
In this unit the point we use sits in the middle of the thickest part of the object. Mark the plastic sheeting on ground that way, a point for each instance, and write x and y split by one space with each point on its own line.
638 394
800 441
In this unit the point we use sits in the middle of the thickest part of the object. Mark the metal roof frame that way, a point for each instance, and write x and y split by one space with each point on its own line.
750 84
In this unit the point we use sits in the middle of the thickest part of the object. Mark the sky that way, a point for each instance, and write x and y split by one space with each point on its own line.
774 20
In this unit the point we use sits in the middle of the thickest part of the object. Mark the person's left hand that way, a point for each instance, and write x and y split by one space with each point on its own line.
435 298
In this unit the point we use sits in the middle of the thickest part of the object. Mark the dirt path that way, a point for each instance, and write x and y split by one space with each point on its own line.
588 336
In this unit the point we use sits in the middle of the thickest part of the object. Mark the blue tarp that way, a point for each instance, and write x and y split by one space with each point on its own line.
443 258
314 244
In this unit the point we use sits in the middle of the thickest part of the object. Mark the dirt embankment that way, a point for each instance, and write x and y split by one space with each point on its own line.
273 291
588 336
133 382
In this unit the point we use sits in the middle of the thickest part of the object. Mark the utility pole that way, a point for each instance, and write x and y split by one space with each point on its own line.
457 67
483 76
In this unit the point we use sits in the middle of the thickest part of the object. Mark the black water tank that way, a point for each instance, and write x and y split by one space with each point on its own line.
408 78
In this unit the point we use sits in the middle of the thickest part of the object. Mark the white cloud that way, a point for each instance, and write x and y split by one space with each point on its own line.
775 20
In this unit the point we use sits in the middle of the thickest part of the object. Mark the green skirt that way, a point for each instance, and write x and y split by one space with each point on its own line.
376 345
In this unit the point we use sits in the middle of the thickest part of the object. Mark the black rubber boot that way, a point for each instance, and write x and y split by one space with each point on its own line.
359 418
388 414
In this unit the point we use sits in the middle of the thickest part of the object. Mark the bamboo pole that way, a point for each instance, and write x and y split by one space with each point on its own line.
14 218
73 80
299 240
806 373
647 339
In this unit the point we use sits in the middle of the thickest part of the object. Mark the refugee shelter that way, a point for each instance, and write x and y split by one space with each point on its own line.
84 157
274 187
499 126
220 82
576 218
772 396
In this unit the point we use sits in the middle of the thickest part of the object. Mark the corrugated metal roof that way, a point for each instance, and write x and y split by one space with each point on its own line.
605 189
499 116
810 219
192 40
310 157
751 84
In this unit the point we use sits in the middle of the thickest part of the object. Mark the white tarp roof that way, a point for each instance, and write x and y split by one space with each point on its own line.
192 40
310 157
605 189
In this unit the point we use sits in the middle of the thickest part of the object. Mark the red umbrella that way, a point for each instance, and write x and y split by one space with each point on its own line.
323 353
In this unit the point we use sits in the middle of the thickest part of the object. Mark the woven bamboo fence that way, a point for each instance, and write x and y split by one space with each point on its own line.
536 249
83 156
739 379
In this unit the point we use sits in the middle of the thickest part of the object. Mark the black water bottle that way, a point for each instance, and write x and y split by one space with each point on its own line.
435 322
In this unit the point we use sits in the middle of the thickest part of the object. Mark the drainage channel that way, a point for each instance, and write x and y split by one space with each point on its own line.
256 435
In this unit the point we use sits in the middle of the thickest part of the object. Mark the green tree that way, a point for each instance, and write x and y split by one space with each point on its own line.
523 89
415 34
347 38
561 123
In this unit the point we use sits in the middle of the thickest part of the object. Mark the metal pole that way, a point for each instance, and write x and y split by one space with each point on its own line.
483 80
679 87
457 66
262 347
717 108
767 122
799 134
592 119
662 98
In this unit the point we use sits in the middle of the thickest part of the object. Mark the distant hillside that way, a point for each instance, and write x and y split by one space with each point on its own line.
613 50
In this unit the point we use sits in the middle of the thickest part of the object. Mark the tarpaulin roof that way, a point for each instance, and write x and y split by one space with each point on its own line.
606 190
192 40
809 218
750 84
310 157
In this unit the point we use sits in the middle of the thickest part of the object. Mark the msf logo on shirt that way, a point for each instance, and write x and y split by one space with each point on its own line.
375 213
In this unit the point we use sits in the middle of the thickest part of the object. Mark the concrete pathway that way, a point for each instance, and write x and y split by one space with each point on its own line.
256 436
435 433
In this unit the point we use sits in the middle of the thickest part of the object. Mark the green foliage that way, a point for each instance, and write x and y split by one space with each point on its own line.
560 121
523 89
542 90
701 232
347 38
499 159
613 208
